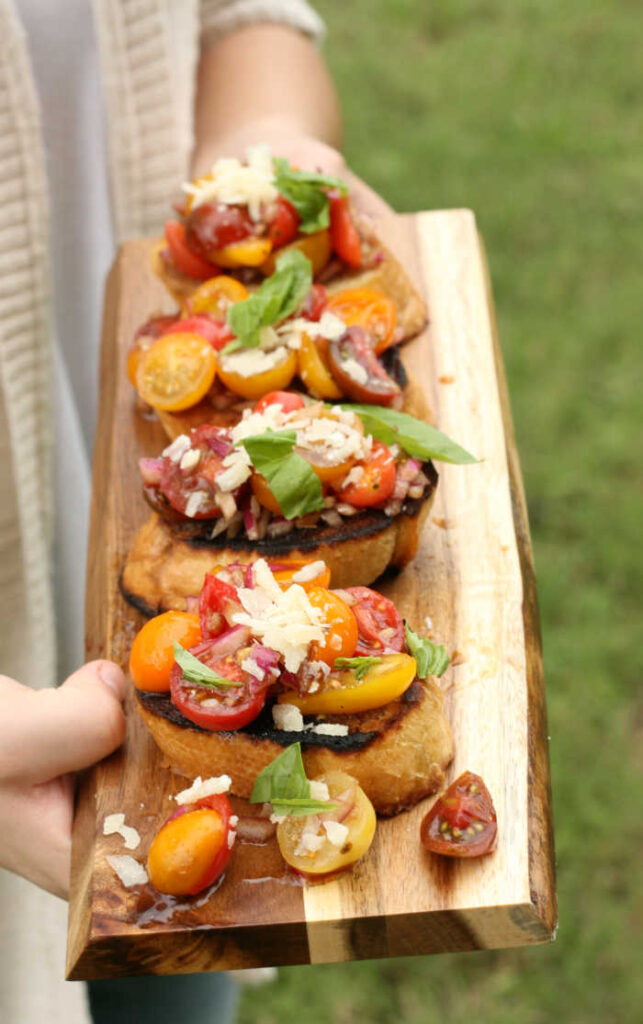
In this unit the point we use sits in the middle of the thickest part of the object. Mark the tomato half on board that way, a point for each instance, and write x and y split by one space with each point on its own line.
217 709
377 482
192 849
462 823
380 625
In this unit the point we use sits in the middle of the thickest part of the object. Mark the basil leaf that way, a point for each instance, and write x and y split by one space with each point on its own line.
360 665
305 190
194 671
283 784
275 299
291 479
416 437
300 808
432 659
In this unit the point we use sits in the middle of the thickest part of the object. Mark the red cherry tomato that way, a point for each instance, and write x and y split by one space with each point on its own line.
343 232
215 600
288 401
212 226
462 823
378 482
226 709
209 327
315 303
380 625
185 259
178 484
284 225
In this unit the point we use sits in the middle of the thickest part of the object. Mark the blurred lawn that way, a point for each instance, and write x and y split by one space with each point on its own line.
528 111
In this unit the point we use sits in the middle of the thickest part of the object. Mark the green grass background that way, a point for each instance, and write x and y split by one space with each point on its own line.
529 112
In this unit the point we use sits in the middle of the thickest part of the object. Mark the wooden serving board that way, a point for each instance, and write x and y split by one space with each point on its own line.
473 577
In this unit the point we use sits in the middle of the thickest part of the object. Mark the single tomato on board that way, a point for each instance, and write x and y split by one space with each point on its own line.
462 823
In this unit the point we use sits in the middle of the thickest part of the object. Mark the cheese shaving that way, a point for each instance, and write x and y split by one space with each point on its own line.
129 871
201 788
336 832
114 824
309 572
175 451
233 183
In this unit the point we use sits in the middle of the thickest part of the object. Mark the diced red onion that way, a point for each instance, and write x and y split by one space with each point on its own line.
230 641
249 577
219 445
265 657
151 471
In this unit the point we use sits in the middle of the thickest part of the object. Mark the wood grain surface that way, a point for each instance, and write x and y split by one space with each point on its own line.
473 578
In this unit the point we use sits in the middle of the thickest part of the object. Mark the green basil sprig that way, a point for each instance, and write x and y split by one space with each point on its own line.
416 437
432 659
275 299
283 784
359 666
194 671
291 479
305 190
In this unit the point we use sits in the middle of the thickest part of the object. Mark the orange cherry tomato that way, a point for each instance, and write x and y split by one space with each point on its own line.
185 259
176 372
152 655
313 370
341 639
316 247
191 850
263 494
367 308
215 296
277 378
376 484
251 252
284 572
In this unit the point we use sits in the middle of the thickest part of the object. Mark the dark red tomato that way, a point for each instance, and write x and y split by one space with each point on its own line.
314 303
155 327
343 233
217 802
284 225
373 385
378 482
216 599
185 260
214 225
462 823
230 707
178 484
209 327
380 625
288 401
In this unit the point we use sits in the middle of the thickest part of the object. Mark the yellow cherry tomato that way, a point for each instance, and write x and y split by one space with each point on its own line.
152 655
215 296
341 638
252 252
285 570
176 372
316 247
274 379
181 856
381 684
314 372
360 822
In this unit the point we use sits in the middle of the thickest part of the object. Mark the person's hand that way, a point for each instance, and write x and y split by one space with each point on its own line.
45 736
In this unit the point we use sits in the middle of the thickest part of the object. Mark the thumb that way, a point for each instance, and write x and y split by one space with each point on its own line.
55 731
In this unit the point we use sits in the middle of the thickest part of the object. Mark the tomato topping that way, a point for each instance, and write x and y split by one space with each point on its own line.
383 682
215 600
192 849
284 225
211 328
229 708
212 226
367 308
315 303
288 401
179 484
176 372
152 655
462 822
216 295
369 381
376 484
255 385
343 232
341 639
185 259
380 625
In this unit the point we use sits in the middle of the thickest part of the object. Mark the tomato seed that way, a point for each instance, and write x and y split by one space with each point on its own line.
473 789
444 826
456 832
478 826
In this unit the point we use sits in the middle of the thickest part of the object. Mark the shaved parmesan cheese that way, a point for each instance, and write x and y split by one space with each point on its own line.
250 666
354 477
226 503
329 326
237 469
190 459
194 502
319 790
114 824
234 183
128 870
309 841
330 729
288 717
336 832
355 370
309 572
201 788
175 451
232 835
252 361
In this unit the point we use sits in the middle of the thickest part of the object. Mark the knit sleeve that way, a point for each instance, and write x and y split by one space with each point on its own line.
219 17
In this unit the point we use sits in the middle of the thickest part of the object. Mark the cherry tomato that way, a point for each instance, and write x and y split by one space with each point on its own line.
341 639
371 383
192 849
217 710
156 326
380 625
288 401
185 259
216 295
214 225
316 247
284 225
152 655
178 484
215 600
251 252
367 308
145 335
315 303
313 369
462 822
211 328
261 490
343 232
384 682
274 379
176 372
378 482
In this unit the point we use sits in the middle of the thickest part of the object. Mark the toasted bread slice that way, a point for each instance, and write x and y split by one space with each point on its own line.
398 753
168 561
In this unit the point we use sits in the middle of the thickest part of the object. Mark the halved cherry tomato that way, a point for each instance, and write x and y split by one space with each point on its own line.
184 257
381 627
284 572
288 400
284 225
261 490
152 655
274 379
462 822
176 372
212 226
145 335
216 600
384 682
314 303
312 368
216 295
213 329
343 232
341 638
378 481
355 811
179 484
316 247
251 252
192 849
217 709
367 308
366 382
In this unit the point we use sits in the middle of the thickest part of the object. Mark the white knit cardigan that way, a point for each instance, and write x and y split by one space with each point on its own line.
148 53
